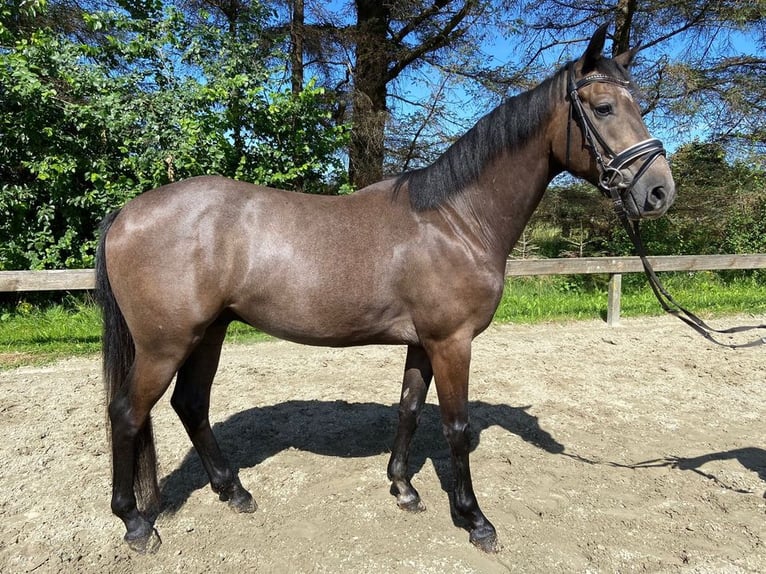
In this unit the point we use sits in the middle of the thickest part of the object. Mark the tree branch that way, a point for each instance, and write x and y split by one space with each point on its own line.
449 33
416 21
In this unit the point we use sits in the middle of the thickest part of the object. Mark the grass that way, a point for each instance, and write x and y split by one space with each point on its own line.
555 298
37 334
31 334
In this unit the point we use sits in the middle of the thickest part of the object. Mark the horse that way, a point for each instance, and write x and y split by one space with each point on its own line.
415 260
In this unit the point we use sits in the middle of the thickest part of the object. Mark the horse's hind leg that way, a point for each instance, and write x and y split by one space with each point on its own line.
191 401
417 378
134 475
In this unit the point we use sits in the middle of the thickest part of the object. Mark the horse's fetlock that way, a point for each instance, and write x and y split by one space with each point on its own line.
224 483
467 506
125 507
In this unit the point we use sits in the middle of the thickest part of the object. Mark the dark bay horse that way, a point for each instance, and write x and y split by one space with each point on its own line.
417 260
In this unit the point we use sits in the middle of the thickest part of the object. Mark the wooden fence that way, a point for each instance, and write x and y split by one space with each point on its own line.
84 279
616 266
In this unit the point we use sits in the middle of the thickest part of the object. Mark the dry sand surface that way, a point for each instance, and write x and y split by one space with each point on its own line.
635 449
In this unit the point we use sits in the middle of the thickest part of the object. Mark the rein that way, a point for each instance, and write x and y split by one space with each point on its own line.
613 181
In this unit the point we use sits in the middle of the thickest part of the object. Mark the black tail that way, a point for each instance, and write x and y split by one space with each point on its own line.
118 352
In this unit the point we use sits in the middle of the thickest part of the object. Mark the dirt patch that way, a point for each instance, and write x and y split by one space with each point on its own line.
636 449
14 359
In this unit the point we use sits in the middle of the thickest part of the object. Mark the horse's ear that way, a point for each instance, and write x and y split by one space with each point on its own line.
593 52
626 58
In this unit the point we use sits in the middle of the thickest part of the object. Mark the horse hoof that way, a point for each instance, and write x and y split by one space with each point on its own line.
244 504
413 505
145 543
485 539
240 501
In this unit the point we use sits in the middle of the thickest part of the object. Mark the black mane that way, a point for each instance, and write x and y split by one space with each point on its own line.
507 126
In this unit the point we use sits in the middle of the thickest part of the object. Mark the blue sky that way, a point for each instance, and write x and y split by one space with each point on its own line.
467 106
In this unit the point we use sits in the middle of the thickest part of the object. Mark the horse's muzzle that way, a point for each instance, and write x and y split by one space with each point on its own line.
651 195
658 200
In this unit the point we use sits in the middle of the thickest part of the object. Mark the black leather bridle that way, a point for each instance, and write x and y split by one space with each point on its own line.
614 181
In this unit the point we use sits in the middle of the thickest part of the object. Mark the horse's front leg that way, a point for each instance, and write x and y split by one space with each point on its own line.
417 378
451 360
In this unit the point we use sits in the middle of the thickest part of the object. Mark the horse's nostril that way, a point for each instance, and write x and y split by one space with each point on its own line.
657 197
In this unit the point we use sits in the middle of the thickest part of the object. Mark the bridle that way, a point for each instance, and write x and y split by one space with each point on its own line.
614 181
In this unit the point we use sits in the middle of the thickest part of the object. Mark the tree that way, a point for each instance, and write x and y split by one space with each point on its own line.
297 35
691 64
90 119
361 55
389 38
97 105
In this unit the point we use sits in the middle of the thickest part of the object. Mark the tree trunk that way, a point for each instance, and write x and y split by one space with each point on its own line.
366 150
296 45
624 20
231 12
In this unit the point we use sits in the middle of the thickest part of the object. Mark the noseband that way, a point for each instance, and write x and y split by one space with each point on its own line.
614 180
613 177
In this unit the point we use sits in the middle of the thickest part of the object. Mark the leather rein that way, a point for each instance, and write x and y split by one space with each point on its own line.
613 181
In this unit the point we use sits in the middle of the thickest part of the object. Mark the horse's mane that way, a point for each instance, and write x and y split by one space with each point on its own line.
506 127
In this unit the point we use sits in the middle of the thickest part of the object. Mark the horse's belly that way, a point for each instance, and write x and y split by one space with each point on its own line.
326 322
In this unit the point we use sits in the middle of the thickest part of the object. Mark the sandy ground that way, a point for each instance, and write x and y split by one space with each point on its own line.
635 449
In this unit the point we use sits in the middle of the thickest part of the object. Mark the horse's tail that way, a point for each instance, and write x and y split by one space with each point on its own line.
118 353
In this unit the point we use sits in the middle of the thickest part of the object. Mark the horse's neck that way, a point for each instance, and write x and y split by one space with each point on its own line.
501 202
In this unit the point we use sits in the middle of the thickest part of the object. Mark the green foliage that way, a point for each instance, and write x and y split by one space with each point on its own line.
44 132
720 208
164 95
31 332
68 328
296 146
98 107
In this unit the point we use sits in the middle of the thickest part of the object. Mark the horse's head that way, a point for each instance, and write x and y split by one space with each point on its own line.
603 139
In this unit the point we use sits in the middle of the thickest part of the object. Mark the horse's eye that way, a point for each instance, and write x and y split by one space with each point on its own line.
603 110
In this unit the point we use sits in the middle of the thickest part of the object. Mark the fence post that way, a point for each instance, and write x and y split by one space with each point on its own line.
613 300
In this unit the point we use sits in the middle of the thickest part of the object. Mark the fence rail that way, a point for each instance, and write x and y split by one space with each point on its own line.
84 279
65 280
616 266
611 265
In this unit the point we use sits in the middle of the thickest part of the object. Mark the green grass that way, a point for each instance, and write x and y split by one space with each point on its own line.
30 334
555 298
34 334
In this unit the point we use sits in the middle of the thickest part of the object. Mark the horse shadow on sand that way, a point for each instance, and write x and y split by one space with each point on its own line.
342 429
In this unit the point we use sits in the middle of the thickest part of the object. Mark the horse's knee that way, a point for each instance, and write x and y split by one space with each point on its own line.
458 435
